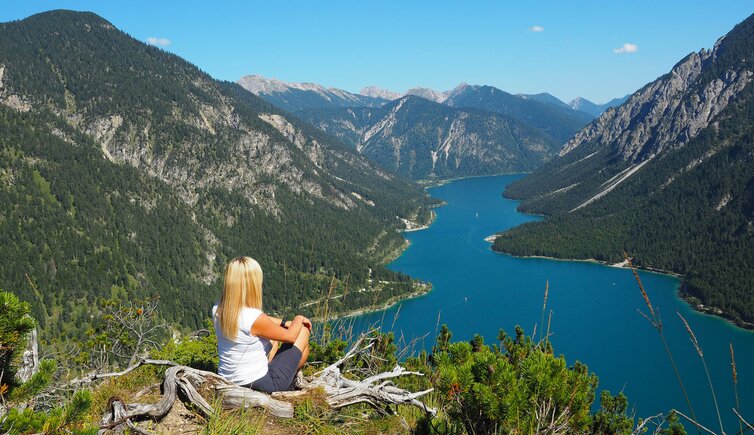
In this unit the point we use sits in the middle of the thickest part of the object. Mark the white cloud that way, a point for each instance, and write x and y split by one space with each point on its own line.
536 29
626 48
162 42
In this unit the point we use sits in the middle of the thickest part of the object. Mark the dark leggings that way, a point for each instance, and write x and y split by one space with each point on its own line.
281 371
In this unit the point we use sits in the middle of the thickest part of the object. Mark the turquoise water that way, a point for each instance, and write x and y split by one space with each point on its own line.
594 320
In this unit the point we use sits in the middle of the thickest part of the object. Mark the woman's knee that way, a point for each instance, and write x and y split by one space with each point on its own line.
302 341
305 334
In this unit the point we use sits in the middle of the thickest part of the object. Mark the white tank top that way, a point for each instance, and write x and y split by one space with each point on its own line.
243 360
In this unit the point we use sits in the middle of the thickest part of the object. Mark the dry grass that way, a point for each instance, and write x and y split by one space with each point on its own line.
734 373
654 319
544 307
699 351
139 384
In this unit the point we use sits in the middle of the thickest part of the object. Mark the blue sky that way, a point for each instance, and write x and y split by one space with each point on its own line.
401 44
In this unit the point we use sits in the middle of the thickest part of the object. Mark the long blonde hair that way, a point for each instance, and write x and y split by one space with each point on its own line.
242 288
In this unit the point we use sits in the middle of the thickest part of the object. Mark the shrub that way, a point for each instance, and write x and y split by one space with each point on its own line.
69 418
516 389
36 383
611 417
199 353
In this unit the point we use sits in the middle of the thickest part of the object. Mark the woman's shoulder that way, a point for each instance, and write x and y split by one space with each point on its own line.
247 317
250 311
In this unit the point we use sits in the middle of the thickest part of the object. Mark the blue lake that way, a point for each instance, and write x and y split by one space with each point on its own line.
594 319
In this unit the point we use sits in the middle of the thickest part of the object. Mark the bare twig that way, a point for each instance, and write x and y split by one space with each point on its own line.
640 427
748 425
694 422
97 376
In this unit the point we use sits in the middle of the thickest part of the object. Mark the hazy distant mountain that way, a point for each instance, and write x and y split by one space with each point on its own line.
299 96
595 110
422 139
668 177
559 122
376 92
543 112
544 97
427 93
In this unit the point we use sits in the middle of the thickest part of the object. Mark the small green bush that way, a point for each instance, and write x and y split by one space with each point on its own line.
69 418
489 390
199 353
611 418
36 383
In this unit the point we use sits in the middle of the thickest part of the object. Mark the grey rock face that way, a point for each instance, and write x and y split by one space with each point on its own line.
376 92
665 114
30 359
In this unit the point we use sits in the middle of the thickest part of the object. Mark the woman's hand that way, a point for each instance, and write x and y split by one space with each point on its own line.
306 322
269 328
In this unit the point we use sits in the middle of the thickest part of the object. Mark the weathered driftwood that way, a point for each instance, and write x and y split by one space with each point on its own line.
187 380
377 391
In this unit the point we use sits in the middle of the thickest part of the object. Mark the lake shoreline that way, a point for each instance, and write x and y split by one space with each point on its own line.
594 307
691 300
389 259
418 227
384 306
426 184
398 252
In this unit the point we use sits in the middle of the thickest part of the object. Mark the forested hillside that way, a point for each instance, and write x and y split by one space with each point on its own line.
558 122
425 140
668 177
127 172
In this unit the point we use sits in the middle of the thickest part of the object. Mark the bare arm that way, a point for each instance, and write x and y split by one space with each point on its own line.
269 328
275 320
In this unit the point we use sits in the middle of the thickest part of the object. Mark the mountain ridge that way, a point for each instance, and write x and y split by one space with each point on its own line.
425 140
666 177
578 104
292 96
584 105
558 122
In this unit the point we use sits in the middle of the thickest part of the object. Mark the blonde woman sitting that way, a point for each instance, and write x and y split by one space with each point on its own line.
245 335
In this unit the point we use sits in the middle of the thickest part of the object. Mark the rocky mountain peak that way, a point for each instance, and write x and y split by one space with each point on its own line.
377 92
667 112
429 94
293 96
257 84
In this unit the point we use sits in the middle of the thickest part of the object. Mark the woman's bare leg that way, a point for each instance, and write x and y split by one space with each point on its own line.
304 357
273 350
302 343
